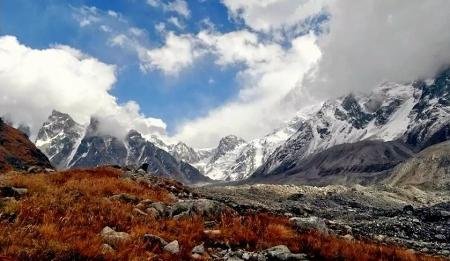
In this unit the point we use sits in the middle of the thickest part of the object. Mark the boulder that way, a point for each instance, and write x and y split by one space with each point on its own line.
106 249
160 207
112 237
153 240
309 223
200 249
208 209
152 212
173 247
144 204
283 253
127 198
139 212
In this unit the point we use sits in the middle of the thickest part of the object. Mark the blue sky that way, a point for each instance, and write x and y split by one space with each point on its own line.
191 93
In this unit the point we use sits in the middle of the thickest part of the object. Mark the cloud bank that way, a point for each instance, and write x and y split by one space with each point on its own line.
34 82
373 41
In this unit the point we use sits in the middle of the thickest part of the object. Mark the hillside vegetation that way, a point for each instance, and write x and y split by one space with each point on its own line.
61 216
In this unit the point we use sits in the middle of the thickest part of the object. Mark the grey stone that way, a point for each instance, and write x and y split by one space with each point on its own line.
152 212
127 198
200 249
114 238
309 223
155 240
139 212
173 247
106 249
283 253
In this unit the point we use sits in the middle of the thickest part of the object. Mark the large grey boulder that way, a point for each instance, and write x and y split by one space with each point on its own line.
208 209
309 223
112 237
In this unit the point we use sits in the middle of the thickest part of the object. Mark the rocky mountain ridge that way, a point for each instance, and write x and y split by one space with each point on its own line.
71 145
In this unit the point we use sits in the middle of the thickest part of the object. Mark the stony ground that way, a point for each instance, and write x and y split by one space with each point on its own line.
408 216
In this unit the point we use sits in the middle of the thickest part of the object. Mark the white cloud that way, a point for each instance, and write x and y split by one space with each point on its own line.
178 52
271 73
160 27
175 21
178 6
374 41
86 15
34 82
112 13
153 3
268 15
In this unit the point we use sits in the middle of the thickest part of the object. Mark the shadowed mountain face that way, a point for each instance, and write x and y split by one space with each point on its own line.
17 152
364 162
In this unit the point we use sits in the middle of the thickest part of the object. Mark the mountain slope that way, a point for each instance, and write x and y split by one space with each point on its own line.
364 162
429 169
417 113
17 152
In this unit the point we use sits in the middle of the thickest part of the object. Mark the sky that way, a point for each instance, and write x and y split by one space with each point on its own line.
198 70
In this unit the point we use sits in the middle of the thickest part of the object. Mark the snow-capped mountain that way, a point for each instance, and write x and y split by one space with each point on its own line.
71 145
417 113
236 159
59 137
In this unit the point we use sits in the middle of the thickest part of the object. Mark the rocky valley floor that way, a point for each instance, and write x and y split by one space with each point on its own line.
415 219
116 214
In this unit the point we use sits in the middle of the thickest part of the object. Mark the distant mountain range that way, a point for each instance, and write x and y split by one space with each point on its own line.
394 120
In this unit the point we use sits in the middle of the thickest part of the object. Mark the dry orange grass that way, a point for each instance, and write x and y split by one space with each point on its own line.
263 231
63 213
